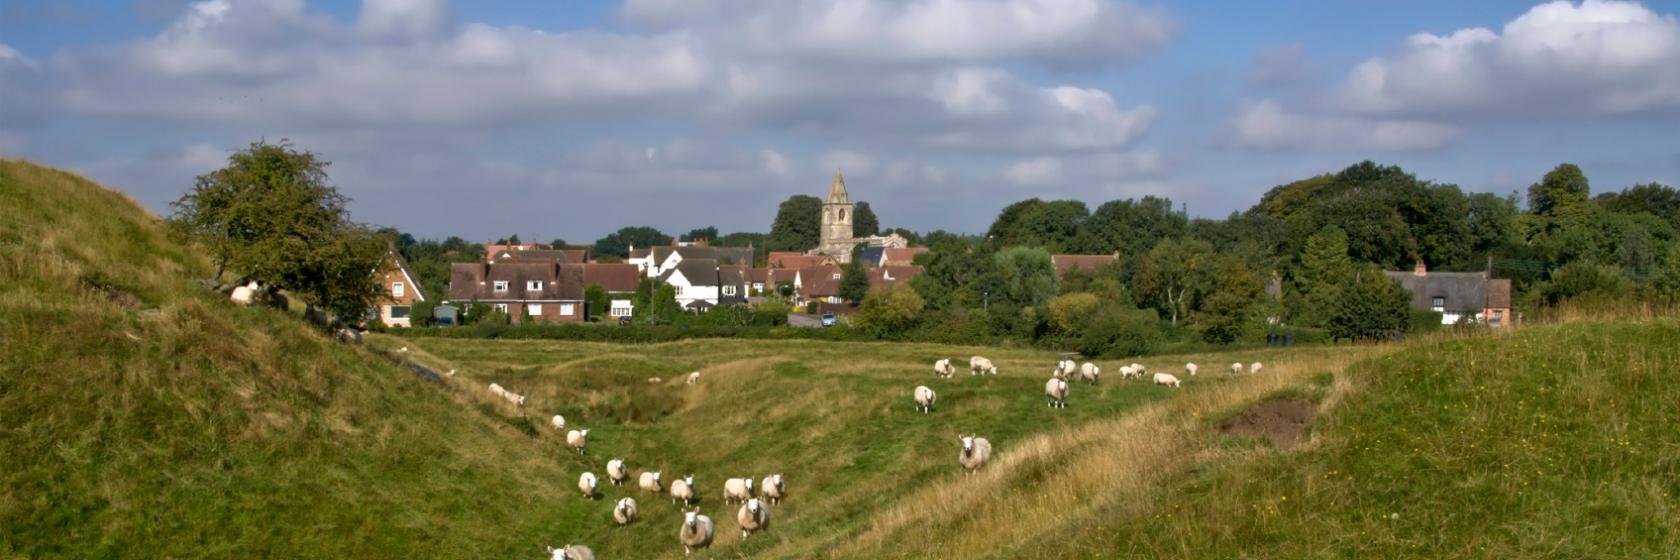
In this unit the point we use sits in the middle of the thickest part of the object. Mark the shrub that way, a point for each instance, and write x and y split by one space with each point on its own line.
1069 311
889 312
1116 331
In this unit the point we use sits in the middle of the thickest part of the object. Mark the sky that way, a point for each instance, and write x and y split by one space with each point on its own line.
570 119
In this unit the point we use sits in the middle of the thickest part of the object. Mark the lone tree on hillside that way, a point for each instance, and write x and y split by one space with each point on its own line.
273 215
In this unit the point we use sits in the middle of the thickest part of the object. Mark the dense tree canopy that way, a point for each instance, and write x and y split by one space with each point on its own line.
798 225
864 222
618 243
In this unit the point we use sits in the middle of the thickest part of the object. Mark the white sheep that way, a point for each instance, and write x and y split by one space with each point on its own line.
737 490
696 531
754 516
1236 368
348 335
498 390
571 552
773 488
515 398
654 380
625 511
616 473
587 484
975 452
558 421
1064 369
1126 372
451 373
1057 390
693 378
1255 367
924 398
1190 368
683 489
402 350
652 482
980 364
247 294
1166 379
1139 370
1089 372
943 368
577 439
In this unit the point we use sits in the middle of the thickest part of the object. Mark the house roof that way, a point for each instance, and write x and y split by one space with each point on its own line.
1499 293
639 253
612 277
757 275
819 281
393 257
871 255
698 272
734 255
732 277
476 281
575 256
1461 291
797 261
572 256
1065 263
901 255
891 275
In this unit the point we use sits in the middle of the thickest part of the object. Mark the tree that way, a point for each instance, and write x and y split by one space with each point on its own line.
1054 225
273 215
1562 188
1174 274
1492 221
1004 229
1068 312
798 225
1325 265
617 244
596 302
557 243
864 222
890 310
1027 274
1226 311
1372 307
420 313
1130 227
708 233
1581 278
854 282
1660 200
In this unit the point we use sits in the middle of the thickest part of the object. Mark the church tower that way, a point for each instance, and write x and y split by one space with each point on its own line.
837 217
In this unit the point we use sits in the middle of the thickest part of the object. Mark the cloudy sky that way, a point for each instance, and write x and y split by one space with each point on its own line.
570 118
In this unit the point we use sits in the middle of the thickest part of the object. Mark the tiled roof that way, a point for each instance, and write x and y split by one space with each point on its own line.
561 282
901 256
798 261
890 275
1065 263
819 281
612 277
1499 293
698 272
572 256
1462 291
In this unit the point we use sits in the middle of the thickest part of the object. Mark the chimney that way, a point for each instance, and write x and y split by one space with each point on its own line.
1421 270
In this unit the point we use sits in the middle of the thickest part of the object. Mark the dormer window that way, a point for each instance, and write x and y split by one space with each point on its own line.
501 285
397 289
533 285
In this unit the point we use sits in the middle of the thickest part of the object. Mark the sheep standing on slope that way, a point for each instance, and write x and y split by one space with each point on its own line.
943 368
753 517
624 511
515 398
558 421
1166 379
587 484
737 490
571 552
1089 372
1065 369
696 530
772 488
693 377
616 473
924 398
683 489
498 390
654 380
975 452
652 482
1236 368
247 294
1254 367
980 364
577 439
1057 390
1126 372
1191 369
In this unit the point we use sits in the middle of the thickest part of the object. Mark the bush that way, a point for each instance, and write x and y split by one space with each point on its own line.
1116 331
890 312
1579 279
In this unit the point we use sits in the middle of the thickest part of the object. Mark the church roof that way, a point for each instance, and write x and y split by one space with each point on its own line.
837 190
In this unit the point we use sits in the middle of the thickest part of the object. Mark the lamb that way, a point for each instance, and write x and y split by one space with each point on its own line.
924 398
693 378
515 398
975 452
1057 390
587 484
737 490
616 473
1166 379
652 482
247 294
943 368
696 531
558 421
1089 372
980 364
1191 368
1236 368
683 489
625 511
577 439
1255 367
753 517
571 552
772 488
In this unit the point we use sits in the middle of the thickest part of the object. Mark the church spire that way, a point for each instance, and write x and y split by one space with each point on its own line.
837 190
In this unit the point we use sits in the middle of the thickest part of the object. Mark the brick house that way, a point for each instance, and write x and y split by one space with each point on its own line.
542 291
397 291
619 281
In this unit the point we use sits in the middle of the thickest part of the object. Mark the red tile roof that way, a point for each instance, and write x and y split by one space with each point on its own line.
612 277
1065 263
797 261
891 275
819 281
894 256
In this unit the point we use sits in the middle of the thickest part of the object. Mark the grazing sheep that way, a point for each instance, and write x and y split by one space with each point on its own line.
1236 368
402 350
498 390
558 421
772 488
515 398
1126 372
683 489
1057 390
696 531
452 374
616 473
347 335
625 511
1089 372
577 439
1064 369
737 490
587 484
924 398
652 482
1255 367
754 517
247 294
571 552
943 368
975 452
1139 370
1166 379
654 380
1191 368
980 364
693 378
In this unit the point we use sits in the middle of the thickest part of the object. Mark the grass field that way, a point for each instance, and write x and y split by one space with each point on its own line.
145 416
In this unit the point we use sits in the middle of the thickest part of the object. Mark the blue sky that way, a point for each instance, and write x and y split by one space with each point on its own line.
570 119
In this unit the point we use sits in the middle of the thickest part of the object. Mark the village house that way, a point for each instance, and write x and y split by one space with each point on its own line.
397 291
1458 296
817 283
528 291
696 283
620 281
1088 263
793 260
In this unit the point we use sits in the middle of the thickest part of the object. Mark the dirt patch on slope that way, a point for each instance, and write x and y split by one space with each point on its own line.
1279 420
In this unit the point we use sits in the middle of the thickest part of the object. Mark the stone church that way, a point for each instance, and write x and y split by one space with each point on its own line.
837 235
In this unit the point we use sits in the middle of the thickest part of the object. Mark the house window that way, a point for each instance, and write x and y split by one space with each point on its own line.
533 309
567 309
397 289
399 311
678 288
1438 304
836 276
501 285
502 307
533 285
621 310
728 290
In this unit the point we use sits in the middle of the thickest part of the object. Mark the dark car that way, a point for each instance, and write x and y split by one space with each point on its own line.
828 320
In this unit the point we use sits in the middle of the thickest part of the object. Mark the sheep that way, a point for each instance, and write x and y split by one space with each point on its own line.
693 378
1190 368
737 490
247 294
558 421
696 531
772 488
652 482
943 368
1066 368
277 300
616 473
1255 367
515 398
452 374
654 380
402 350
1126 372
498 390
624 511
980 364
1057 390
754 516
1166 379
924 398
1236 368
975 452
571 552
683 489
577 439
347 335
1139 370
587 484
1089 372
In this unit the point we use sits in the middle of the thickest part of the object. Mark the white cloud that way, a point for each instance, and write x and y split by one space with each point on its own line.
1279 64
1035 171
404 18
1267 125
846 161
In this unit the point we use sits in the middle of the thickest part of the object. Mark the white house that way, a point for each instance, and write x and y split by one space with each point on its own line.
695 281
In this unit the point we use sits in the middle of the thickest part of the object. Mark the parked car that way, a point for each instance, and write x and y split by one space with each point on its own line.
828 320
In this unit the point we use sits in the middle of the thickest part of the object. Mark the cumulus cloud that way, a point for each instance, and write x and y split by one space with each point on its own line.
1267 125
1035 171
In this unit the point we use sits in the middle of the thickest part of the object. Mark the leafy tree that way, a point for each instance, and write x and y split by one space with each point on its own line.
1117 331
889 311
1667 281
1226 311
1028 276
864 222
1130 227
1004 229
1372 307
1068 312
1581 278
854 282
1564 187
420 313
510 240
1054 225
1660 200
617 244
429 260
596 302
1174 275
1324 262
1491 221
798 225
558 243
709 233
